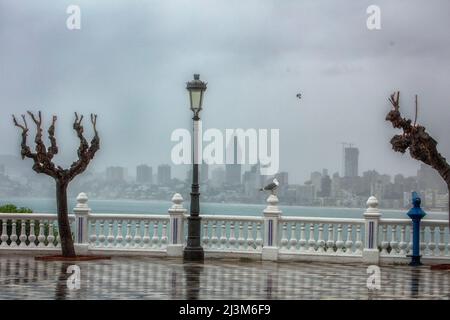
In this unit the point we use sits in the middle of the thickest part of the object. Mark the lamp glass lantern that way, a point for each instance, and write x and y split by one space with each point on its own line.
196 88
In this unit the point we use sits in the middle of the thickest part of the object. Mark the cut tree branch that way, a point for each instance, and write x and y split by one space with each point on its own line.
421 145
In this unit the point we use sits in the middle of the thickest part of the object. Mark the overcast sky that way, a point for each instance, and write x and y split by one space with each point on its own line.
131 59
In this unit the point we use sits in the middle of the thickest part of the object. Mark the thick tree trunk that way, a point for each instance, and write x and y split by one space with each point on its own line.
65 234
448 190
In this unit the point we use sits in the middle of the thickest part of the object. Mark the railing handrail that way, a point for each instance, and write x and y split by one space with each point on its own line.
31 216
403 221
232 218
322 220
121 216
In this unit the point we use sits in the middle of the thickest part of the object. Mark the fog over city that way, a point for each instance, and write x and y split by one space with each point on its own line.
131 59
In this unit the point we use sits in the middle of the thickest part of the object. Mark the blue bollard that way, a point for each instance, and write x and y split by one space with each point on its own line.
416 214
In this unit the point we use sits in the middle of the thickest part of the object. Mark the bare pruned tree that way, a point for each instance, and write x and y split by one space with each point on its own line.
421 145
43 163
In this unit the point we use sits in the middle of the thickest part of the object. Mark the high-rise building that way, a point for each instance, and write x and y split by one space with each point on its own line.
115 174
218 177
283 178
316 181
428 178
233 171
325 184
204 172
144 174
253 181
164 174
351 155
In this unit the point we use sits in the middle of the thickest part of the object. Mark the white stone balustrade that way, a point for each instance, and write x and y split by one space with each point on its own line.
269 236
232 233
128 232
321 236
396 237
30 231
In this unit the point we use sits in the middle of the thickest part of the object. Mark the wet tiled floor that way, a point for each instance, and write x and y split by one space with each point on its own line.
22 277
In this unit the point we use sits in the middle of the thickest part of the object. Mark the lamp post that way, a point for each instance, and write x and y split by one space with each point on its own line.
193 250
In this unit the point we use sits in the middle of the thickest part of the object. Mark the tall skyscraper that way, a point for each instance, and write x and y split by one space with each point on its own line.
204 173
144 174
283 178
164 174
115 174
233 171
351 155
218 177
316 181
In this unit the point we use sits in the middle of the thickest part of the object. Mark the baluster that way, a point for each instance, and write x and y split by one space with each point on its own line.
232 241
164 234
110 237
4 236
41 236
92 236
384 242
394 243
432 243
284 240
302 241
250 236
137 234
23 235
259 240
403 245
128 236
339 241
119 238
101 236
358 242
32 236
214 238
155 238
330 238
441 245
349 242
410 244
423 244
241 239
146 238
13 234
223 236
51 235
320 240
311 241
58 239
293 241
205 234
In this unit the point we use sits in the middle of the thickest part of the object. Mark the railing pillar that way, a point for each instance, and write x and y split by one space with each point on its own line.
176 239
371 254
81 212
271 216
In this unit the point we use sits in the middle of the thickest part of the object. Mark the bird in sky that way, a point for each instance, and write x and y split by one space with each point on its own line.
299 95
272 187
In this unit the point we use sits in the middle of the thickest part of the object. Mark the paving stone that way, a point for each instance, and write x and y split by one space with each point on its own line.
21 277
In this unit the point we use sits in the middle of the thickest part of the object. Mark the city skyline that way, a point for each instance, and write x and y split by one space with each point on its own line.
129 65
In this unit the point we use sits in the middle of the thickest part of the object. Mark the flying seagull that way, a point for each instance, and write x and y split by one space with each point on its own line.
299 95
272 187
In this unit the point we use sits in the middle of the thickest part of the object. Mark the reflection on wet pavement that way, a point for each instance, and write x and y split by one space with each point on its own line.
22 277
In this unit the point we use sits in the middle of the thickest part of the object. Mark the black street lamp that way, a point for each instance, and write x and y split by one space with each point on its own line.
193 250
